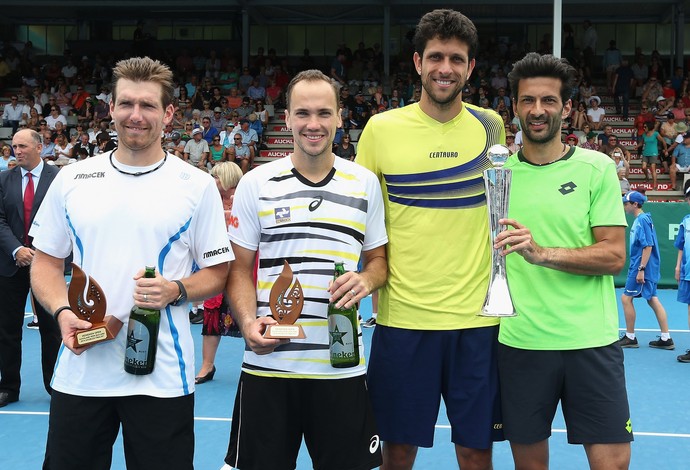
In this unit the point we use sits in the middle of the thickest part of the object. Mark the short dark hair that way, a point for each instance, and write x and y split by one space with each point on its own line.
446 24
310 76
145 69
543 65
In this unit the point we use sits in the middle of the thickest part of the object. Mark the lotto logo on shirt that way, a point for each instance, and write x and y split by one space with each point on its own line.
282 214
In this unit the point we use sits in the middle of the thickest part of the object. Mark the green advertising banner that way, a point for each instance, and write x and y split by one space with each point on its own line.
667 217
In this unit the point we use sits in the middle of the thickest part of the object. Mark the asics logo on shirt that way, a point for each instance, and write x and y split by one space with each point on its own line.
315 203
567 188
374 443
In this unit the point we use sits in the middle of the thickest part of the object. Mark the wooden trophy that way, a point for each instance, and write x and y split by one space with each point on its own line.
87 301
286 302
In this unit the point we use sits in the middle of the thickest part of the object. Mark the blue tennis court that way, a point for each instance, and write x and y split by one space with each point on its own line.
657 385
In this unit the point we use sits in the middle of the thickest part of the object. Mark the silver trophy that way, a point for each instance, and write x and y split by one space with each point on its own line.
497 187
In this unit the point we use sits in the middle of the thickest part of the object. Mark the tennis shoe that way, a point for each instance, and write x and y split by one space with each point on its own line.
684 357
32 325
626 342
662 344
370 323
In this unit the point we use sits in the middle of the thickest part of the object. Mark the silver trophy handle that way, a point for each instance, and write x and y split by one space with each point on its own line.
497 181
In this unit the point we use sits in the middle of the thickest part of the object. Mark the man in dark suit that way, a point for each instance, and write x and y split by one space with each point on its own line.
28 182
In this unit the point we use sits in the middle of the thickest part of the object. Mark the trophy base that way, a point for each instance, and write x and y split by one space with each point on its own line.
284 332
498 302
99 332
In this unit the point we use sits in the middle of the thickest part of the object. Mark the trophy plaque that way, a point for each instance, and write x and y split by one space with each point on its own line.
286 302
87 301
497 180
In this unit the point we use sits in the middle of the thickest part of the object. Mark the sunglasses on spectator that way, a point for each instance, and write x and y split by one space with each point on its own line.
216 140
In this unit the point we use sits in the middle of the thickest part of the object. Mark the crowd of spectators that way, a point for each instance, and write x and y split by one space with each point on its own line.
70 97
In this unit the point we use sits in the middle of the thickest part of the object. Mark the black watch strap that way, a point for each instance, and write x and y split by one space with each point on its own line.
182 298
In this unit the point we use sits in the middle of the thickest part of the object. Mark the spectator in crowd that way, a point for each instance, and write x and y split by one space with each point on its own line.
102 108
216 153
640 75
225 135
84 143
212 67
588 46
650 151
245 80
360 112
621 157
246 108
644 116
591 143
661 110
256 91
338 72
668 129
668 91
644 272
240 153
217 119
64 150
510 142
609 144
602 139
620 87
680 160
611 60
274 94
208 132
623 180
218 319
63 98
234 99
5 156
33 120
345 149
586 90
578 118
678 110
595 114
47 145
249 135
651 91
196 149
12 113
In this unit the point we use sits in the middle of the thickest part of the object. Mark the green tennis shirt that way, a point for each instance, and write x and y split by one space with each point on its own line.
561 203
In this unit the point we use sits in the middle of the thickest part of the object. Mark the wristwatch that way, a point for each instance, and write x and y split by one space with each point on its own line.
641 268
182 298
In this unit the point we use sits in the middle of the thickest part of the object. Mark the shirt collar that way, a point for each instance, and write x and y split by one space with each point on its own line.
36 172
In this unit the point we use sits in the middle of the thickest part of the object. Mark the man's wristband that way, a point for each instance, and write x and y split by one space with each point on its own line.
641 268
60 310
182 297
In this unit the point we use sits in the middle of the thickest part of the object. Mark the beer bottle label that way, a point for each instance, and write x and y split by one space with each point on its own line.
138 344
342 338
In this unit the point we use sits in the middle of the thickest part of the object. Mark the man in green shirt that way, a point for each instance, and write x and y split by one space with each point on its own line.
567 230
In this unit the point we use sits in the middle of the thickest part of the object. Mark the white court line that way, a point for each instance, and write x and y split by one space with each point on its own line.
438 426
653 330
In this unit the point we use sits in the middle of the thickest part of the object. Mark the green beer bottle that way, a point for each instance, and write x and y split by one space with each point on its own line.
343 343
142 336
